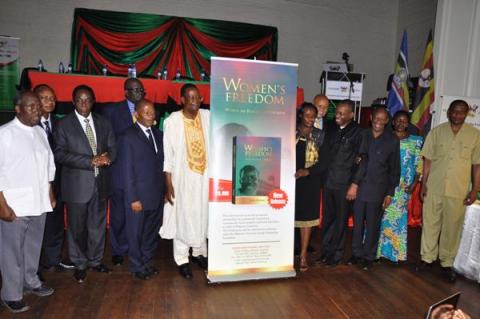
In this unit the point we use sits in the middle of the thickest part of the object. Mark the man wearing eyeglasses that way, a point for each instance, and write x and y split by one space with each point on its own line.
85 147
121 116
54 222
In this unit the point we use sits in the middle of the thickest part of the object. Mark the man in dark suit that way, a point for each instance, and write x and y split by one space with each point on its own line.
54 223
380 175
121 116
85 146
141 160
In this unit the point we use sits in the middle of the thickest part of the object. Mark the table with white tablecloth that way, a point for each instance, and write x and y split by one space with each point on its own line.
467 261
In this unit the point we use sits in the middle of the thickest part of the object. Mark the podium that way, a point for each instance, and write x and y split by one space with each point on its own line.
338 86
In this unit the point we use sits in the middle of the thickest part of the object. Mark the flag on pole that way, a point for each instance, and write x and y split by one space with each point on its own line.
426 88
398 98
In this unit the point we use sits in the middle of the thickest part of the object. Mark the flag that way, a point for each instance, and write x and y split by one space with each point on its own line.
398 95
426 88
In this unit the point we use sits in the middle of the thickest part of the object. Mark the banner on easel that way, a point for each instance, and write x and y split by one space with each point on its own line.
251 168
9 68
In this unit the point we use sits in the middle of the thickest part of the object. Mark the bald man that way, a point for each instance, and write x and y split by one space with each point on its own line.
26 170
141 162
321 102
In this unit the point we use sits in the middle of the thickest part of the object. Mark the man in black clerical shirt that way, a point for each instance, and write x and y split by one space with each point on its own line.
340 154
380 169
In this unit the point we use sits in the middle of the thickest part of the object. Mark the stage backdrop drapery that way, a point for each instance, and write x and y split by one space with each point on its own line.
153 42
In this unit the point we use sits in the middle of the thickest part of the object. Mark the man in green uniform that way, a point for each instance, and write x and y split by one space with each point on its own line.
451 151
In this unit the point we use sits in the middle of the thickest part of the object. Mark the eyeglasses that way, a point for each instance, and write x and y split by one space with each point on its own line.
47 98
136 90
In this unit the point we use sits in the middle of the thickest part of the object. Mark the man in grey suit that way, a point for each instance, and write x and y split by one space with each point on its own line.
85 146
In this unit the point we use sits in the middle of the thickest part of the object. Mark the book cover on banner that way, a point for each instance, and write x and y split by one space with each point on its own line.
255 169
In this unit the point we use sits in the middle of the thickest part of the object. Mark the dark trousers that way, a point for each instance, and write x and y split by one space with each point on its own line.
86 231
53 236
334 225
142 233
366 229
118 235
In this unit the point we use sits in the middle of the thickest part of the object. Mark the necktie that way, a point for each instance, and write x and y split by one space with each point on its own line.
91 141
49 132
150 139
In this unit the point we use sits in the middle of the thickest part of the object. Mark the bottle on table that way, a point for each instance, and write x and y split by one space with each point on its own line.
105 70
165 73
134 71
40 66
178 75
69 68
61 67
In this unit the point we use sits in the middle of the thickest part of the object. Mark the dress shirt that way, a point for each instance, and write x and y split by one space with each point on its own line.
131 107
81 118
144 129
26 168
452 157
49 120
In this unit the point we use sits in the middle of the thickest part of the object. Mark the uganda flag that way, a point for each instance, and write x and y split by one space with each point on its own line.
425 94
398 98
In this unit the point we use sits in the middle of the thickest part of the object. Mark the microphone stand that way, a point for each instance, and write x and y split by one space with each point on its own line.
345 58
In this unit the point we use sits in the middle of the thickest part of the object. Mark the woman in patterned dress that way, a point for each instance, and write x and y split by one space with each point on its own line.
393 236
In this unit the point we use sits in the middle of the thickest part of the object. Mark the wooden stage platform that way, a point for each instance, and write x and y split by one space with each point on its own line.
386 291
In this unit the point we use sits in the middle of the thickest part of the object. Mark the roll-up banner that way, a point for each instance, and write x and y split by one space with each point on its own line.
9 69
251 168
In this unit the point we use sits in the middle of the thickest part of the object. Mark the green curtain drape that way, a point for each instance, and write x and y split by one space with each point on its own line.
152 42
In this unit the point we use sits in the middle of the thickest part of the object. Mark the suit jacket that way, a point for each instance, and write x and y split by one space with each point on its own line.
142 167
121 119
57 182
74 153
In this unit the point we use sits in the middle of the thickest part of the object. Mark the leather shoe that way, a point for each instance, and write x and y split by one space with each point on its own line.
64 266
322 259
101 268
80 275
331 261
422 265
201 261
354 260
152 271
367 264
450 274
185 271
117 260
15 306
143 275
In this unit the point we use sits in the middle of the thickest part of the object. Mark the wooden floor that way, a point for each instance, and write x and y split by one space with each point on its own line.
387 291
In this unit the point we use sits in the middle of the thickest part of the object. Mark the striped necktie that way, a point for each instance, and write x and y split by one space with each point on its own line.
91 141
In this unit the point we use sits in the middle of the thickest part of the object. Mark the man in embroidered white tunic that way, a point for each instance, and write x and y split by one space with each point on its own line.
185 141
26 170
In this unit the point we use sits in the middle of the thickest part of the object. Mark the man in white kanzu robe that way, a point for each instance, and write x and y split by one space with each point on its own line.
185 220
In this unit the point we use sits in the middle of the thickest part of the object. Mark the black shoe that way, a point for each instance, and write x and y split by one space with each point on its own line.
185 271
101 268
65 266
367 264
322 259
117 260
449 273
80 275
42 291
143 275
332 262
201 261
15 306
354 260
422 265
152 271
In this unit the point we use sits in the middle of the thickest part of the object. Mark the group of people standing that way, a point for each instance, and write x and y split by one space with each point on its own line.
49 166
372 172
158 183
